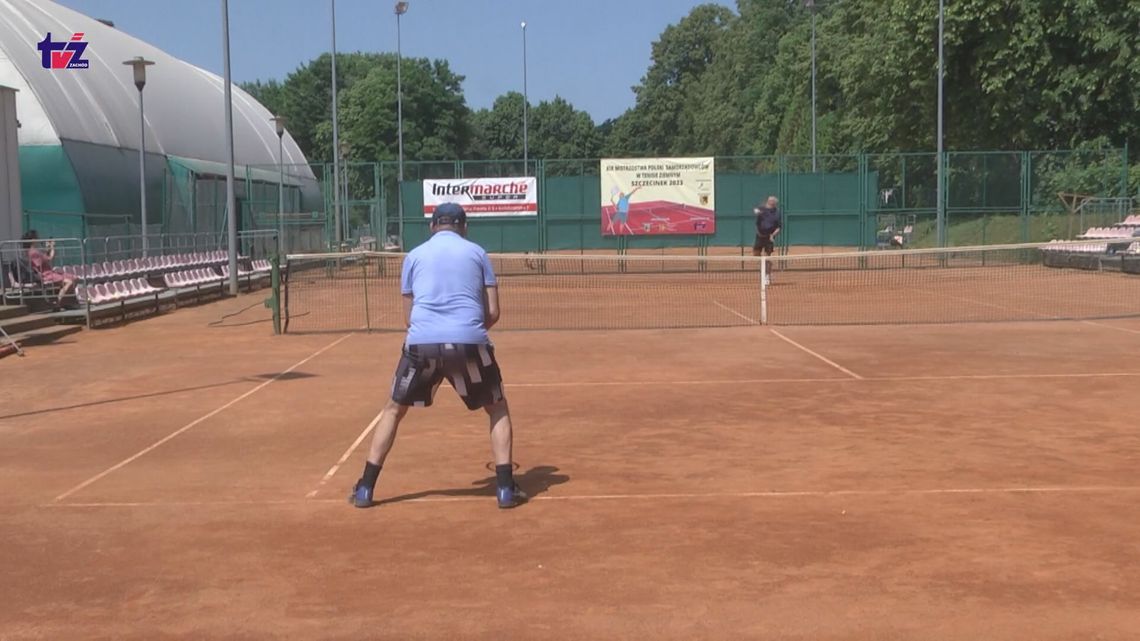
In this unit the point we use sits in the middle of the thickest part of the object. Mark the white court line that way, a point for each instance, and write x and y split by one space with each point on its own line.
1119 329
749 381
817 355
199 420
998 377
344 457
833 379
1007 308
734 312
642 383
770 494
994 305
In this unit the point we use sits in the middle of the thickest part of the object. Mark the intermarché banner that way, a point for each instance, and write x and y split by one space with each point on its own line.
484 197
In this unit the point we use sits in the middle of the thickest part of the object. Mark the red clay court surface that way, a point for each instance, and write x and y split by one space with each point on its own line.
659 217
185 478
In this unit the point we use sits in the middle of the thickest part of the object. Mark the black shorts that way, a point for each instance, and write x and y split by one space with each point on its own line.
764 242
471 369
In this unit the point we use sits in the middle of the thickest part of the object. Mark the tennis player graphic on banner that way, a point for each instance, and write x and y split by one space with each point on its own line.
657 196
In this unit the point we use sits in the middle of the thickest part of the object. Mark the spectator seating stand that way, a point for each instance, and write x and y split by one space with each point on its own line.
1115 248
141 286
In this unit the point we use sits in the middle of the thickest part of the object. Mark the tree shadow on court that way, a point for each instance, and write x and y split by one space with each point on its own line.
535 481
123 399
285 376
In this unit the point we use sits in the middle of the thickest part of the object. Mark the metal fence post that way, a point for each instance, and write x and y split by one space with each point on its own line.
1026 197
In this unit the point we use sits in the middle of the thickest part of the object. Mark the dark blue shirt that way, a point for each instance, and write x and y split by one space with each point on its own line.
768 221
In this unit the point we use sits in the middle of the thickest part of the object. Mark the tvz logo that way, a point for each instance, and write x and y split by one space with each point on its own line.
67 54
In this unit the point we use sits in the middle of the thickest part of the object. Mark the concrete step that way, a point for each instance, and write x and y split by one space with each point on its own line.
40 336
26 323
12 311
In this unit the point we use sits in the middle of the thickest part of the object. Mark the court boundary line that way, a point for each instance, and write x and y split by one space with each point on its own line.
1119 329
649 496
735 313
344 457
197 421
817 355
832 379
993 305
1026 311
376 420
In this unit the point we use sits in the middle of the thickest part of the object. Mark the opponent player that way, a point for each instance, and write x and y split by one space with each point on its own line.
451 299
768 226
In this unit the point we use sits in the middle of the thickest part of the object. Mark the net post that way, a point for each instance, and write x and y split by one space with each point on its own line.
763 290
274 300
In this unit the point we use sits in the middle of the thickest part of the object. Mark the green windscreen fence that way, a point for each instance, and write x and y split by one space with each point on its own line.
831 207
852 201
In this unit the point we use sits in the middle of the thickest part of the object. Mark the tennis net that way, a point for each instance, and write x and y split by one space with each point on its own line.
1050 281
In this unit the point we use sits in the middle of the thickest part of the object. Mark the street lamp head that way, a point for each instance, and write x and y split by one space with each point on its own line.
524 24
139 65
401 8
279 122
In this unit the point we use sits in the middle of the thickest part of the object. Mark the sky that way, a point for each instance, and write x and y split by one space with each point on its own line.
590 52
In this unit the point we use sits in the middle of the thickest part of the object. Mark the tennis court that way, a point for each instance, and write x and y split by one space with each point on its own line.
185 477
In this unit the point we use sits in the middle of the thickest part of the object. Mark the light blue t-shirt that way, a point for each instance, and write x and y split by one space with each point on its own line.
446 277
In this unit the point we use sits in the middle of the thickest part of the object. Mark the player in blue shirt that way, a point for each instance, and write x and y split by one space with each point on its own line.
451 299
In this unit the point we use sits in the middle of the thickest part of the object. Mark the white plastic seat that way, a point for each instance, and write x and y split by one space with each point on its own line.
103 293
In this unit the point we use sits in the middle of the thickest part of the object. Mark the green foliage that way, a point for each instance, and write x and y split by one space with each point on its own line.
1021 74
436 118
498 130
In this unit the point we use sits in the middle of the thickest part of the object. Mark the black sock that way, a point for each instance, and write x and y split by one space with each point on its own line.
504 475
371 473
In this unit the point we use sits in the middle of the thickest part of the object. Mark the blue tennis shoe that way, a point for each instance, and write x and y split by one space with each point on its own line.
511 497
361 496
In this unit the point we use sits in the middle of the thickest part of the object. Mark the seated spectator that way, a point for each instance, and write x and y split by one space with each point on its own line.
41 263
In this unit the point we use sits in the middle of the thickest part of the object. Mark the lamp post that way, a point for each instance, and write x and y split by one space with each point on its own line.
231 200
139 65
940 223
279 123
810 4
526 105
336 135
401 9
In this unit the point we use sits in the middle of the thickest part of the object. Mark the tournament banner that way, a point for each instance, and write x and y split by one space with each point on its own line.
657 196
484 197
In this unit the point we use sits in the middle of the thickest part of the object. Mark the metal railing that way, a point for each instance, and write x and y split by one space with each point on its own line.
38 285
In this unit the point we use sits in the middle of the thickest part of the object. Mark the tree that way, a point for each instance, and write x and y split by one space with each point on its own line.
436 117
271 94
558 130
435 114
666 109
498 130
